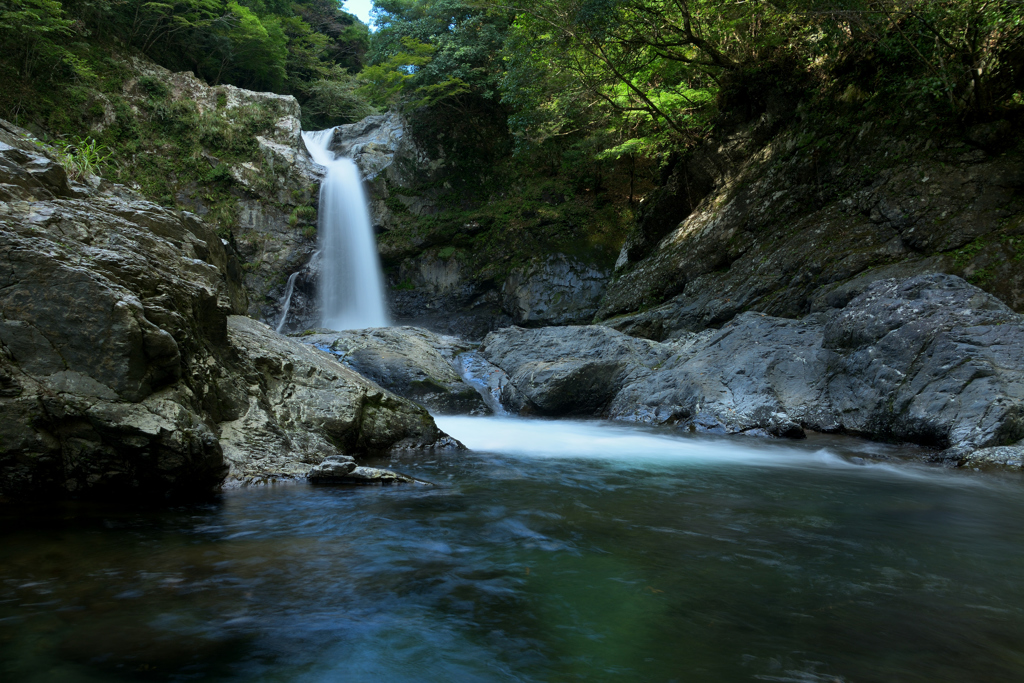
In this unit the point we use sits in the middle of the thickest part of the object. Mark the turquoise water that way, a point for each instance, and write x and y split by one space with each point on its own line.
555 551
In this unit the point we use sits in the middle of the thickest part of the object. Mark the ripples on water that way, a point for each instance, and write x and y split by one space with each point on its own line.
556 551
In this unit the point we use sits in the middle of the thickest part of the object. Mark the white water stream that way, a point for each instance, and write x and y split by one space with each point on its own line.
351 281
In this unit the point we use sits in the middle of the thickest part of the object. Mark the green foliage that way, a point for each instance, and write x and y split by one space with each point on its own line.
33 34
425 53
308 49
83 157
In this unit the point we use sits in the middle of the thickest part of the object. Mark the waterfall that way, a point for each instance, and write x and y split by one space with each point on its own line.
288 291
351 281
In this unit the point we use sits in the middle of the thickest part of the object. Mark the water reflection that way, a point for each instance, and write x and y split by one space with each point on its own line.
630 556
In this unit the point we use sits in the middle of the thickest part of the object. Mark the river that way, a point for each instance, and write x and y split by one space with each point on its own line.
553 551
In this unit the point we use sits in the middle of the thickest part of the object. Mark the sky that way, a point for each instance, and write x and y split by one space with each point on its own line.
360 8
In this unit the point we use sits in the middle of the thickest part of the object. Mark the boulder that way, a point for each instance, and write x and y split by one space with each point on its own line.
293 405
342 469
410 361
332 468
375 475
931 360
758 374
575 370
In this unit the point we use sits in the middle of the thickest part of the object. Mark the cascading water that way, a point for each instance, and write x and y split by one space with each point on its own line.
351 281
288 291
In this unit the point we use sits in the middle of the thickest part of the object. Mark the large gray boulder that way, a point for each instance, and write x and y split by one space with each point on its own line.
292 405
410 361
931 360
575 370
759 375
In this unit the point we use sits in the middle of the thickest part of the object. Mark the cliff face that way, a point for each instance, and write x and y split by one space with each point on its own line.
265 196
120 374
805 219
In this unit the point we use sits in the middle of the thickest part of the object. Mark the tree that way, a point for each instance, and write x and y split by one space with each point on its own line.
33 31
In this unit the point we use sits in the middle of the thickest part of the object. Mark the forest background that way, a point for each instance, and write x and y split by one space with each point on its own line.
596 97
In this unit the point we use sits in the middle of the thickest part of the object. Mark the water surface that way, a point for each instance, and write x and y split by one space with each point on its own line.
555 551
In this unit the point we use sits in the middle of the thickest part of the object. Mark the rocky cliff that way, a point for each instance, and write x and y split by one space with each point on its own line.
789 215
122 370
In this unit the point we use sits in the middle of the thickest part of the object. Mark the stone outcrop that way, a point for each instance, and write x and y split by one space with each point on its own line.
785 224
267 187
412 362
289 405
557 290
119 371
930 360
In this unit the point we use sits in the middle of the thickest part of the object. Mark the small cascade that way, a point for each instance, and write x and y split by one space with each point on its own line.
288 291
351 280
488 380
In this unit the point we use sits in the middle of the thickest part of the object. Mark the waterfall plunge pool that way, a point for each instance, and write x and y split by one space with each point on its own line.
554 551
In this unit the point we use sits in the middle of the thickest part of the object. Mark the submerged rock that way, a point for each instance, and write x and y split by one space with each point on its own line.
930 360
332 467
342 469
410 361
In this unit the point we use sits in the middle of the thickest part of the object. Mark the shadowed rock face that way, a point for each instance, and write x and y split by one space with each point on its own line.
930 360
119 372
786 228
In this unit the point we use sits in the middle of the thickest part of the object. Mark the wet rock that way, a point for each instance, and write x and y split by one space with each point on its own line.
341 469
410 361
575 370
371 142
995 457
332 467
490 381
373 475
295 404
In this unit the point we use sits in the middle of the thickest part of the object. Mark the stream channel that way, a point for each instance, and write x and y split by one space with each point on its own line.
553 551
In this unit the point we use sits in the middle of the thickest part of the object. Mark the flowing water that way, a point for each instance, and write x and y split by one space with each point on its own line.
554 551
289 289
351 281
